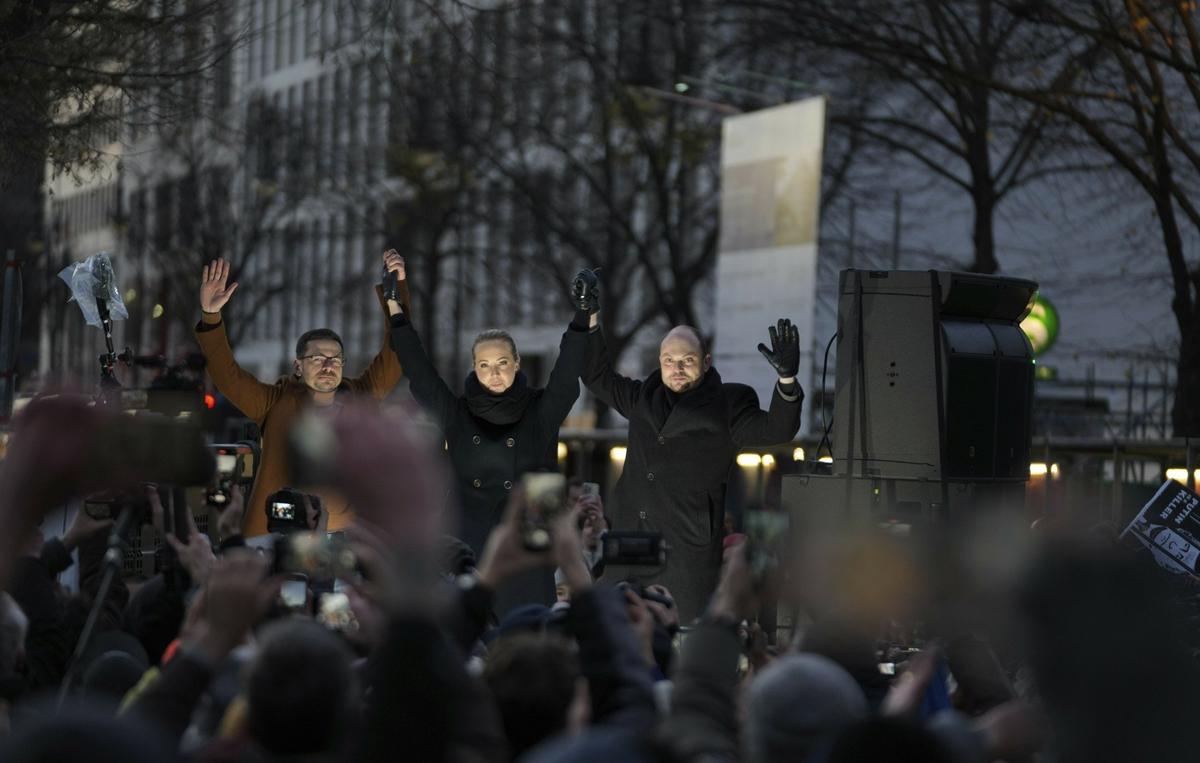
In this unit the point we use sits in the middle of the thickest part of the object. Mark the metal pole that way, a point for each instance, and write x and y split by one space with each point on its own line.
851 243
1191 464
10 333
1165 391
1118 492
1129 403
896 231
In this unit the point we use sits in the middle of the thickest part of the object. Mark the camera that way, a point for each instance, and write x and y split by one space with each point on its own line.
109 505
635 548
545 498
287 511
236 463
319 556
152 448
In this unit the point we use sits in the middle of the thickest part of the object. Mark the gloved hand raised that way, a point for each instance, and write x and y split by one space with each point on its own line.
585 291
784 354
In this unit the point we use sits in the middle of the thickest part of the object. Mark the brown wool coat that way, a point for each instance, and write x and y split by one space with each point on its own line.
274 407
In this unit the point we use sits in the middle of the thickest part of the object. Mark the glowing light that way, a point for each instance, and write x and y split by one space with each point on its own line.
562 451
617 454
1037 469
157 312
768 460
681 87
798 454
1053 470
210 400
749 459
826 459
130 294
1179 474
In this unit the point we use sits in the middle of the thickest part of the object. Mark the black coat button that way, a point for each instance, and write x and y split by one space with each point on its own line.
650 476
477 483
662 440
510 442
507 485
475 439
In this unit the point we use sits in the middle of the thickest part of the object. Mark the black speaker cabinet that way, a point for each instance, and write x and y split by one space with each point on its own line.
934 377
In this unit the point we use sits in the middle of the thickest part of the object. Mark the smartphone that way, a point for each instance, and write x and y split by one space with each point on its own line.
334 612
766 531
294 591
545 498
590 488
317 556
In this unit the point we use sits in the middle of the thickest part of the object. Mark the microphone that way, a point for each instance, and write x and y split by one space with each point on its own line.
102 283
391 285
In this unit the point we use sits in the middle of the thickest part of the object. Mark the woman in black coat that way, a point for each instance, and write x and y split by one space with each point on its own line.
499 428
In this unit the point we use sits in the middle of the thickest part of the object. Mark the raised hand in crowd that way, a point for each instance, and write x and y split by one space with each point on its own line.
784 353
45 466
229 520
215 290
83 528
736 596
196 554
384 465
504 555
238 595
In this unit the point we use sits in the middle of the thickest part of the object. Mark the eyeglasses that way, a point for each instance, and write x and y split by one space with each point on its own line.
335 361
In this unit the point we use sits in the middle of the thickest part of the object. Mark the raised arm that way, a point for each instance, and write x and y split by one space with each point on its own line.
384 370
251 396
753 426
562 389
616 391
423 380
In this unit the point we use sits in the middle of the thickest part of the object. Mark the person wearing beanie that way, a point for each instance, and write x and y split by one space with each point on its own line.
796 703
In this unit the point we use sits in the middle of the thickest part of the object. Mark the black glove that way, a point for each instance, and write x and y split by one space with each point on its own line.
784 354
391 285
585 291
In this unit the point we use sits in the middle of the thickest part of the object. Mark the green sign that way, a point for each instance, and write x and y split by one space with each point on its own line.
1041 325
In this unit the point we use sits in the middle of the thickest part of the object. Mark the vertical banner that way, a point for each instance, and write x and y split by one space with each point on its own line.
767 261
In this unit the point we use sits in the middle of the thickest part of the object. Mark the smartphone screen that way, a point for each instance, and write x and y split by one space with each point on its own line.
545 497
280 510
294 592
590 488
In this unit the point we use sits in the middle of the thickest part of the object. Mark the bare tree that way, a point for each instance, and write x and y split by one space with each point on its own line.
929 63
1134 95
72 71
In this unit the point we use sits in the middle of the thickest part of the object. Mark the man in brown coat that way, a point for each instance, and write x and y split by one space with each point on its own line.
316 381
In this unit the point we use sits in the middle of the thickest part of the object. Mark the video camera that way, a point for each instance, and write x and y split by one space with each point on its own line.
287 511
634 548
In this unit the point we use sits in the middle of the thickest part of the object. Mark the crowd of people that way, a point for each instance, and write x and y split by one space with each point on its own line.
442 634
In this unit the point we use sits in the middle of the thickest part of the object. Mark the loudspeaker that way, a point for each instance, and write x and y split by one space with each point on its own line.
934 377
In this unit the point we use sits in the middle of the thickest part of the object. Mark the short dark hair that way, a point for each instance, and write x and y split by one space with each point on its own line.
299 689
316 335
532 678
494 335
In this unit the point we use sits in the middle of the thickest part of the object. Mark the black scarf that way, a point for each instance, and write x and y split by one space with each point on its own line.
504 409
662 400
